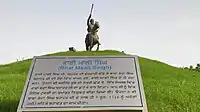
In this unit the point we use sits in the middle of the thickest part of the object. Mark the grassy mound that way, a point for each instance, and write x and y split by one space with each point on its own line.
167 89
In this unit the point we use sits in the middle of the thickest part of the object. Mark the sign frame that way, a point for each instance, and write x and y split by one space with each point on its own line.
140 85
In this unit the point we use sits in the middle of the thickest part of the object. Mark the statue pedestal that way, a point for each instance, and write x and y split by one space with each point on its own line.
72 49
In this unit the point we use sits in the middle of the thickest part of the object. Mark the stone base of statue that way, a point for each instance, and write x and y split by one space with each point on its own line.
72 49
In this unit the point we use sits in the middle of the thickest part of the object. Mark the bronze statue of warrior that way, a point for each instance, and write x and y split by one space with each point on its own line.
92 38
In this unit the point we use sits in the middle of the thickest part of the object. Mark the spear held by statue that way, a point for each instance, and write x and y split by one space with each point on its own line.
91 9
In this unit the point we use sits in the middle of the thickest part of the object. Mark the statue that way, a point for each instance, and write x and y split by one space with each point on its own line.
92 38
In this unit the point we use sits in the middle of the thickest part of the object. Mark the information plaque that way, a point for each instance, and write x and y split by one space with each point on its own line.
78 83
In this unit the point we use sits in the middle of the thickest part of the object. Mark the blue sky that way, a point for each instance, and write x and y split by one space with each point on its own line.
165 30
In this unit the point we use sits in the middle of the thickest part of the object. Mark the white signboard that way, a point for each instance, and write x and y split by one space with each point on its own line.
72 83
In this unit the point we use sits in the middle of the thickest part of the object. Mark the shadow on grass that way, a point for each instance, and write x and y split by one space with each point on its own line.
8 106
11 106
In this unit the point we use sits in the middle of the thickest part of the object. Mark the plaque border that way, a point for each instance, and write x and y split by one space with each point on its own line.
143 106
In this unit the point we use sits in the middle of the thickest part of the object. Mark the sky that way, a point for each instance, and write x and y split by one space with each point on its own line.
164 30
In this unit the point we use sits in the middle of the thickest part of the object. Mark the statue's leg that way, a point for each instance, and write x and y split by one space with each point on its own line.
97 47
87 47
92 47
91 42
87 42
98 40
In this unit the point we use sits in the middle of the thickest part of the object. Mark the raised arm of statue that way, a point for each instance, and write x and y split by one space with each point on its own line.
88 20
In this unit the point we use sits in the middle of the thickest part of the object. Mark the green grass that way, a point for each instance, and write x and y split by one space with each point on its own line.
167 89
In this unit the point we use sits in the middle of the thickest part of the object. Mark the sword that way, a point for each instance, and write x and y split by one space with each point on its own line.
91 9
